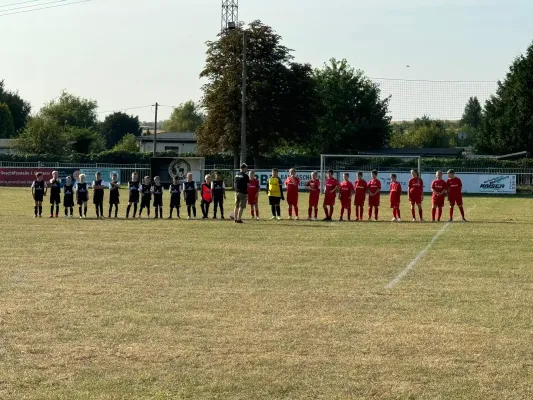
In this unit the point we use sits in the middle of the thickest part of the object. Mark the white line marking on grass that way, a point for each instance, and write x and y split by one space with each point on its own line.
420 255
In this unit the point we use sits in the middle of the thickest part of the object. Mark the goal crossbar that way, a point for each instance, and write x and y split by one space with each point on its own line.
324 157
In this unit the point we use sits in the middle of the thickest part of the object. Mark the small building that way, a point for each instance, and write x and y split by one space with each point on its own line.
452 152
180 142
7 146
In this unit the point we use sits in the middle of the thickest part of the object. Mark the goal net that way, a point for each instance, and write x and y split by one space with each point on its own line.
385 165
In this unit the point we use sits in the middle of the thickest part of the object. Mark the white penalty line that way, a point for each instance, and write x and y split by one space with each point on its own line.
420 255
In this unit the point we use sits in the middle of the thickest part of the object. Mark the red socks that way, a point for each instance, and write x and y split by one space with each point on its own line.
420 213
290 211
451 212
462 211
376 212
439 214
413 213
433 213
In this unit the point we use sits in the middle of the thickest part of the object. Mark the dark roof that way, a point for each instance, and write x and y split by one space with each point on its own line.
7 143
438 152
171 137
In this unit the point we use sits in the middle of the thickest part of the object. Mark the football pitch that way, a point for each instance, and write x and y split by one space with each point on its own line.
138 309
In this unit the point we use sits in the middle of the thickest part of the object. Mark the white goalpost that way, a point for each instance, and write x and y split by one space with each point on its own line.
384 164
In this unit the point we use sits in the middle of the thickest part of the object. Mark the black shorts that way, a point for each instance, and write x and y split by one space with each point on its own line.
175 202
82 198
158 201
145 202
68 201
98 198
55 199
134 197
114 198
274 201
38 197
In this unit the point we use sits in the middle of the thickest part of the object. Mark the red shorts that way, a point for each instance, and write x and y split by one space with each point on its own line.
359 201
313 201
456 200
438 201
394 204
416 199
373 201
346 203
292 201
252 200
329 200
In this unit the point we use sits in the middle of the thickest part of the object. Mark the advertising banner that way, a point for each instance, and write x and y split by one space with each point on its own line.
264 175
90 175
22 176
505 184
166 168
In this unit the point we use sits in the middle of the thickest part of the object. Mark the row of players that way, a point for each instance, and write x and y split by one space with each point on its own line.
360 190
214 191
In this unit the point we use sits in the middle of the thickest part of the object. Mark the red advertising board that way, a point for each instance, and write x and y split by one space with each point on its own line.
22 176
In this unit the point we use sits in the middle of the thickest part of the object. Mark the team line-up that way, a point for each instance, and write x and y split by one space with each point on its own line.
247 190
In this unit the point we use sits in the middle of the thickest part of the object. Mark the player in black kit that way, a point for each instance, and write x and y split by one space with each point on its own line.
218 187
55 194
190 195
133 199
68 197
157 190
98 195
38 191
114 195
175 192
146 193
82 195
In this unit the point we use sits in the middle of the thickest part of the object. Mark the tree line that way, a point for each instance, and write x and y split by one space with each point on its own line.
292 109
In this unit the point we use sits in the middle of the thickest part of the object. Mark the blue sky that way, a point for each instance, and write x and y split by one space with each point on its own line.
129 53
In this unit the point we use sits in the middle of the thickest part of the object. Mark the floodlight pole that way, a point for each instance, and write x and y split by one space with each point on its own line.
243 91
155 129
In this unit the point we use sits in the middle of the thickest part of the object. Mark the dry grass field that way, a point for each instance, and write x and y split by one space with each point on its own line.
138 309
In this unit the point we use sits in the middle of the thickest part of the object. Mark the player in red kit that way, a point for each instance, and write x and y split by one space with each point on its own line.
416 194
314 194
395 198
360 187
292 183
455 194
330 194
346 191
438 189
374 195
254 188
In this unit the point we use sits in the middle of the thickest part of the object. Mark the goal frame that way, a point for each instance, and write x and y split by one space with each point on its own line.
323 158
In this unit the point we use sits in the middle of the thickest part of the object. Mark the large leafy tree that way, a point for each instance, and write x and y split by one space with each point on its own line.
473 113
508 118
118 125
128 143
354 116
422 133
73 111
187 117
7 127
43 136
277 93
19 108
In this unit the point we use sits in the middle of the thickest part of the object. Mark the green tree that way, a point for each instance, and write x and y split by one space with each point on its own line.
117 125
19 108
354 116
187 117
84 141
508 118
7 127
42 136
473 114
72 111
274 87
423 133
128 143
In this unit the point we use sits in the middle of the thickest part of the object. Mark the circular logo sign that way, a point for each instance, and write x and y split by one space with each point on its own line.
179 168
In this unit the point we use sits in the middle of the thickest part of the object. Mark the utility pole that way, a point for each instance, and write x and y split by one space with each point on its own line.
243 109
155 128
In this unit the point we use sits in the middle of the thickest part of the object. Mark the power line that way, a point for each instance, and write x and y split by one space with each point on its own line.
42 8
36 5
124 109
427 80
21 2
